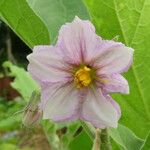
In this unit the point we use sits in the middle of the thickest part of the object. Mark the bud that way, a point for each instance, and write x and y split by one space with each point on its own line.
32 114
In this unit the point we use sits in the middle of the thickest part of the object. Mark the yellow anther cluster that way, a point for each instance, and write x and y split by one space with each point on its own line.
82 77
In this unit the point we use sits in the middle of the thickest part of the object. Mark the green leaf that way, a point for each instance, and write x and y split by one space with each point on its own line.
22 20
55 13
126 138
129 20
146 145
82 141
23 82
72 128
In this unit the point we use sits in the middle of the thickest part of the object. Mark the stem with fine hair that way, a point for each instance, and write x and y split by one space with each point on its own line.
105 140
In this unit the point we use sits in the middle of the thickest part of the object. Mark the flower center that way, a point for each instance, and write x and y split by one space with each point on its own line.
82 77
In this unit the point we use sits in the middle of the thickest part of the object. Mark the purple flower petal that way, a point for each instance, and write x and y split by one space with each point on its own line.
98 110
115 83
101 47
60 102
46 64
77 39
115 59
116 105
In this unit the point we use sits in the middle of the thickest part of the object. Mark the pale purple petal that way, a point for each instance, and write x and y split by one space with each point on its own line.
100 111
101 47
60 102
115 59
77 39
46 64
115 104
115 83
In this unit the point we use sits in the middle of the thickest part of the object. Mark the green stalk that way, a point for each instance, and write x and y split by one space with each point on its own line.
105 143
105 140
97 141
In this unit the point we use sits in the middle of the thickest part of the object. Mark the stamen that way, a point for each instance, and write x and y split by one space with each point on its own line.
82 77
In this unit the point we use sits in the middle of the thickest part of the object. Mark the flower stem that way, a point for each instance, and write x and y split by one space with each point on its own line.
105 143
105 140
97 142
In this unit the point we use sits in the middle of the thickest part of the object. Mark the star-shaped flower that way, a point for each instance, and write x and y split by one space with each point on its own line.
78 73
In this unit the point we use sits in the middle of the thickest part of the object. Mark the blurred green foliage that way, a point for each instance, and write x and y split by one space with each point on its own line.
10 124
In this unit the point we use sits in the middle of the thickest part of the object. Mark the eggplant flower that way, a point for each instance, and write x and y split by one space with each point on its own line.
78 73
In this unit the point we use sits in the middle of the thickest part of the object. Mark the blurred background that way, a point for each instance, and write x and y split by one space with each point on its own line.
13 136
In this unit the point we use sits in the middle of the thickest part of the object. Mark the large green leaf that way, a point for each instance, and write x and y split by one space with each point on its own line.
126 138
22 20
130 20
54 13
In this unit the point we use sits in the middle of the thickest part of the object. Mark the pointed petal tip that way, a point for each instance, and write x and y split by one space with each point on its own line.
29 57
115 125
127 90
76 18
131 49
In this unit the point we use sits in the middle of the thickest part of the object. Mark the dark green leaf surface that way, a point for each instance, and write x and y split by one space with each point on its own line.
22 20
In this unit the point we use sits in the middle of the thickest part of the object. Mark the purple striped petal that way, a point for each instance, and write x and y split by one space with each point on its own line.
76 39
46 64
116 59
115 83
99 110
60 102
114 103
